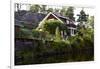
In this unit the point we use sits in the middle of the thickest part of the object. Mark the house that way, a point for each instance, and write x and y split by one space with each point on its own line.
65 20
32 20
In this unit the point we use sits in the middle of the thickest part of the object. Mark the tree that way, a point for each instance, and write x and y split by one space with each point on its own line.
63 11
43 8
70 13
91 21
87 35
50 10
35 8
56 10
82 16
18 6
83 39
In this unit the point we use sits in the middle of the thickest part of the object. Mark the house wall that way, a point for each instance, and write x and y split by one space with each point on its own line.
51 17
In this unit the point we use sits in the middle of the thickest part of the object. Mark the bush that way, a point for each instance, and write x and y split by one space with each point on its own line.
35 33
61 45
83 39
41 34
24 33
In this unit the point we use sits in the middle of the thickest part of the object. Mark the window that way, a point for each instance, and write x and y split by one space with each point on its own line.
67 21
72 32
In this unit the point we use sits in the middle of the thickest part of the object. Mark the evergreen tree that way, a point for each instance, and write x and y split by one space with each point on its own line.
82 16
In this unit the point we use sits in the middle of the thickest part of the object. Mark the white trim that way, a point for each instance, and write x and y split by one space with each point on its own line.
71 28
41 23
57 18
72 31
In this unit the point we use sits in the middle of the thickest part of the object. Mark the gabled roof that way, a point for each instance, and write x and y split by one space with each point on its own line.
63 18
41 23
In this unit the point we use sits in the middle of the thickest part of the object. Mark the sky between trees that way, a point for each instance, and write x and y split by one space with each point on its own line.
87 10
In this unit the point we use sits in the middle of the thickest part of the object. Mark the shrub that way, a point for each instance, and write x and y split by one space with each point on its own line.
24 33
35 33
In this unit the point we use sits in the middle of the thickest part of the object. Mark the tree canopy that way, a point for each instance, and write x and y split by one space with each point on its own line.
35 8
82 16
70 13
50 10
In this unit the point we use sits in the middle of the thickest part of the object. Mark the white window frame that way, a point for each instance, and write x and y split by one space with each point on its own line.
72 31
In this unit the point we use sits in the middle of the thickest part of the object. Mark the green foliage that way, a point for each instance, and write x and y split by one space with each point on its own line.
78 48
38 8
57 51
77 42
35 8
82 16
83 39
52 44
51 25
41 34
57 10
61 46
70 13
50 10
83 20
91 21
43 8
63 11
35 33
57 34
88 37
24 33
